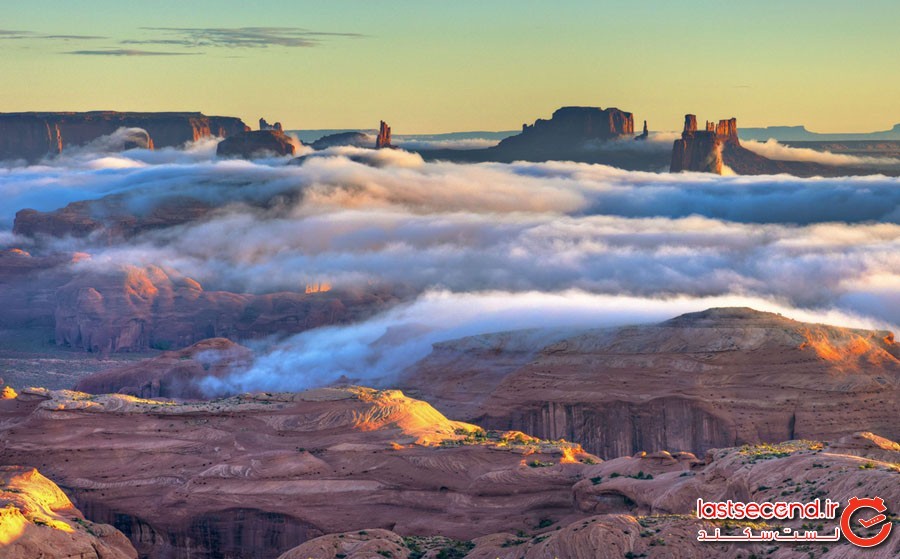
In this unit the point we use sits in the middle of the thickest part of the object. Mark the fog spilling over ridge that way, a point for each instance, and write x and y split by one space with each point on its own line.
478 247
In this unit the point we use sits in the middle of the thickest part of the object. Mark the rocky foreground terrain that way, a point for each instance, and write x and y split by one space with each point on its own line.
355 472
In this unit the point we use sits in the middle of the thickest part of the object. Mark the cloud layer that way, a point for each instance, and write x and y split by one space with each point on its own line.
484 247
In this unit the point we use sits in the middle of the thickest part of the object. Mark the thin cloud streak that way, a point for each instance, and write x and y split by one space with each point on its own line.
239 37
128 52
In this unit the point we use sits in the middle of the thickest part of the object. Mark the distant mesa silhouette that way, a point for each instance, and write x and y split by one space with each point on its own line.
256 143
34 135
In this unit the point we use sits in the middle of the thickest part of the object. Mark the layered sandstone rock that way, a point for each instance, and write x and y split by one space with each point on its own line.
32 136
256 475
641 506
383 140
38 520
717 378
258 143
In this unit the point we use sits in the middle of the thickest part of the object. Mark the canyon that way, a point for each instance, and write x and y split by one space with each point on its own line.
356 472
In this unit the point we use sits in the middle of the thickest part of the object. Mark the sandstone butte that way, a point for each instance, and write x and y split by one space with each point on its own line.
717 149
354 472
34 135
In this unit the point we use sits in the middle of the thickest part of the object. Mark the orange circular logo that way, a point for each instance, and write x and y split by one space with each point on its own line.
876 504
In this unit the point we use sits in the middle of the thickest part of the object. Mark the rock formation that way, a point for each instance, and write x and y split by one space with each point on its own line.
174 374
584 134
643 135
38 520
701 150
356 139
135 309
32 136
703 380
256 475
256 144
383 140
572 126
359 473
264 125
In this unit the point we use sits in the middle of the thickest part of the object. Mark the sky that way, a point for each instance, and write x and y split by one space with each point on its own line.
462 65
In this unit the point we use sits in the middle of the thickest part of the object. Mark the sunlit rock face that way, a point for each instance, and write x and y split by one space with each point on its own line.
701 150
31 136
135 309
38 520
703 380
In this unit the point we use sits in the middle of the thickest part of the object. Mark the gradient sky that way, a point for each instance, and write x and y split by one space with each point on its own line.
431 66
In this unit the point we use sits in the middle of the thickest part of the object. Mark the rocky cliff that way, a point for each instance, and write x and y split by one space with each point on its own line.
32 136
255 475
717 378
37 520
134 309
359 473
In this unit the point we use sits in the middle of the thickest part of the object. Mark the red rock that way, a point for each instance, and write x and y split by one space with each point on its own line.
384 136
701 151
31 136
38 520
717 378
135 309
174 374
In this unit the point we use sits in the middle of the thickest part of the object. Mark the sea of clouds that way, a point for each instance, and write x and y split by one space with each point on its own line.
483 247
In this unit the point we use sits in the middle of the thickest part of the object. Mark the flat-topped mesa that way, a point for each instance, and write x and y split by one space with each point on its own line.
32 136
384 136
264 125
701 150
583 123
